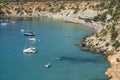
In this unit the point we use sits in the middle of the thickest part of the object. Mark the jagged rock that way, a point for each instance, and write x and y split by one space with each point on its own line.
114 72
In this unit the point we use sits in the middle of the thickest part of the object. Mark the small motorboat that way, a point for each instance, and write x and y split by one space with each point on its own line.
68 35
27 33
30 50
47 65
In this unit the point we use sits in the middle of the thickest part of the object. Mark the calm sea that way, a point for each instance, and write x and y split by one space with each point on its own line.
75 64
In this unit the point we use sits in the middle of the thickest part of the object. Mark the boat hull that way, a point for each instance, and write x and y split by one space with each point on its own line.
29 34
30 50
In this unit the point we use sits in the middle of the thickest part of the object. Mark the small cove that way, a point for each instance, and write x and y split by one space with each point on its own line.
76 64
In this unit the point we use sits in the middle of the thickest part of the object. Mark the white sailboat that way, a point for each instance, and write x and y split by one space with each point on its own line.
29 49
31 40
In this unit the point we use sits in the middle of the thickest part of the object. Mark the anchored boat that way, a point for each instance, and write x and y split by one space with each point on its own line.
27 33
30 50
47 65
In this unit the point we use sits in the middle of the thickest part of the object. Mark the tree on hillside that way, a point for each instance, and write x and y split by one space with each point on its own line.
2 1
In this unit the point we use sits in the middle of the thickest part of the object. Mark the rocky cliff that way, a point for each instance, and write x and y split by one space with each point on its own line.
107 40
72 9
114 72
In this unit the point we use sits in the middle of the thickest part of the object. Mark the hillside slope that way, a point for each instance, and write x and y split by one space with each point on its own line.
107 40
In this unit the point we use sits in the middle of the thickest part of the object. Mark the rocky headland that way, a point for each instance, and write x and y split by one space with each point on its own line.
114 71
107 40
103 16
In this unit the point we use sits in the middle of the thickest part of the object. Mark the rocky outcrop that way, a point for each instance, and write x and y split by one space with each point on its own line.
100 45
107 41
105 44
114 72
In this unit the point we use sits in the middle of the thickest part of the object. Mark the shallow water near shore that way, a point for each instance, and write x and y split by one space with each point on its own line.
74 63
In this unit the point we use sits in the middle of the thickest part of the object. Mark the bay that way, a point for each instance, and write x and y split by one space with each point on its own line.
75 64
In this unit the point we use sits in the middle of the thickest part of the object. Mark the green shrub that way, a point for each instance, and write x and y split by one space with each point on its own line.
76 10
1 12
110 11
102 4
8 11
96 18
52 10
116 44
107 44
30 10
100 17
114 33
19 10
87 20
62 7
103 32
39 9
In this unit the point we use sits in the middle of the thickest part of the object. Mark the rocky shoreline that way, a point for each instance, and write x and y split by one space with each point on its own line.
97 45
114 72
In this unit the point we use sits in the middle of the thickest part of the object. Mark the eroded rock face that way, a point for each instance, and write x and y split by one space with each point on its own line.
114 72
36 8
95 44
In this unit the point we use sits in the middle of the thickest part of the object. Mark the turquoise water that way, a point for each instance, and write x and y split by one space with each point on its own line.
75 64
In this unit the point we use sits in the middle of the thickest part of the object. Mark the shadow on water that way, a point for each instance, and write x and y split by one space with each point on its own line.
96 60
100 79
